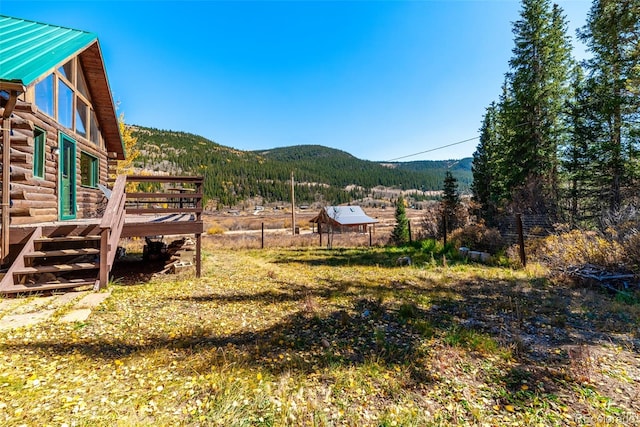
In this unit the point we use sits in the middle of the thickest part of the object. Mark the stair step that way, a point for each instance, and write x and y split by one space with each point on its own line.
62 252
93 237
47 286
57 268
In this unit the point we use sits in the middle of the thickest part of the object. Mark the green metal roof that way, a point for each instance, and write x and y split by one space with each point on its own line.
29 50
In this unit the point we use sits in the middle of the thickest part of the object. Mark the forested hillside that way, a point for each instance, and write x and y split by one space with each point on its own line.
321 173
461 169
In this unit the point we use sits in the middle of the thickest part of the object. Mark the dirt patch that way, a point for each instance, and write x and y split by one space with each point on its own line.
132 270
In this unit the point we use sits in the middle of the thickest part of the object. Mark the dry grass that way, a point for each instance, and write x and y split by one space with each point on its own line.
344 337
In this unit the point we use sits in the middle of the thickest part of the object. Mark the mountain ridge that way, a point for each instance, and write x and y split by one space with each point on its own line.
322 174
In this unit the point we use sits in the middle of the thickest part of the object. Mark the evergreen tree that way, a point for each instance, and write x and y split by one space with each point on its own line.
538 86
400 233
485 165
450 204
578 160
611 34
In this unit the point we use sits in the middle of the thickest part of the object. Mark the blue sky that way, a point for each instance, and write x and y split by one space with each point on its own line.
378 79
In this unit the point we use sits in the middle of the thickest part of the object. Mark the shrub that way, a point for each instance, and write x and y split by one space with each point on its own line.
478 237
631 247
576 247
215 230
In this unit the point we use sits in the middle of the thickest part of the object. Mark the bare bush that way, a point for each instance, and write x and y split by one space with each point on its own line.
478 237
577 247
631 245
431 222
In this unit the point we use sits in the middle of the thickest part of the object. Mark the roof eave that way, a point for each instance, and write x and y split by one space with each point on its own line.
102 100
12 86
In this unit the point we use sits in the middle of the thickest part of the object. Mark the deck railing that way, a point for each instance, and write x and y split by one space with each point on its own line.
165 195
110 229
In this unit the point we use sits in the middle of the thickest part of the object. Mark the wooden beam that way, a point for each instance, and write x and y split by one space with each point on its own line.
22 220
137 229
20 123
164 178
5 123
161 211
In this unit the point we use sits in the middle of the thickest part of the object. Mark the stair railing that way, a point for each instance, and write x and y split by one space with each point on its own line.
110 229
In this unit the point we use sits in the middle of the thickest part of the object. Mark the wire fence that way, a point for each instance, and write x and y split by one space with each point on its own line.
532 227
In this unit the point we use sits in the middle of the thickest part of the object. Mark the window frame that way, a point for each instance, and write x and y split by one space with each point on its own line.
92 175
39 150
58 76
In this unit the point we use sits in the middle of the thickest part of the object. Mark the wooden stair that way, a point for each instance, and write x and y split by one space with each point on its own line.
48 263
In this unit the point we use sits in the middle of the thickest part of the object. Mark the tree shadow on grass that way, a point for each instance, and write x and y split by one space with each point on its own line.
344 257
534 324
288 291
304 342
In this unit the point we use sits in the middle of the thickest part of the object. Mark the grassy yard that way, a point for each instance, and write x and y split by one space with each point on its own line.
317 337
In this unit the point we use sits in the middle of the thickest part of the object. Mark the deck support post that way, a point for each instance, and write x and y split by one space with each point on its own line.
198 255
5 124
103 278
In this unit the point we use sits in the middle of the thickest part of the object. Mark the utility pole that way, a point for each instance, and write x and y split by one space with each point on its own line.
293 207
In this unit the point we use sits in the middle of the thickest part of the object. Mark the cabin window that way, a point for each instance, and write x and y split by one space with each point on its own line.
64 95
39 144
95 131
65 105
88 170
81 118
81 84
67 70
44 95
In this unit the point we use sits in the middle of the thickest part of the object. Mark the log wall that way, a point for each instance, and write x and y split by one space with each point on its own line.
35 200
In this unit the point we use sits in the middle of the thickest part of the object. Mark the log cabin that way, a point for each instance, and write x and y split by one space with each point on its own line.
63 208
343 219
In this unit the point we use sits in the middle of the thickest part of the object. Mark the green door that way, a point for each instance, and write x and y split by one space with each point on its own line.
67 165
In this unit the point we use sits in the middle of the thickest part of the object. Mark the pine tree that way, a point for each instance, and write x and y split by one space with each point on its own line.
611 34
578 160
486 165
400 233
538 83
450 204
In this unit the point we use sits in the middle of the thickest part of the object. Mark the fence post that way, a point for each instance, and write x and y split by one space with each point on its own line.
523 257
409 226
444 222
262 239
370 237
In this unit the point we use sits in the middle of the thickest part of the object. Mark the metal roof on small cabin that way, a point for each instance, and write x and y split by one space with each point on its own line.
347 215
30 50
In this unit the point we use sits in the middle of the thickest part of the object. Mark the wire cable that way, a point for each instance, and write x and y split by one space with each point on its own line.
434 149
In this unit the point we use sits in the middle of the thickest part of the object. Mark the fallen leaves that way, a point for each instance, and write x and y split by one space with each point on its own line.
286 338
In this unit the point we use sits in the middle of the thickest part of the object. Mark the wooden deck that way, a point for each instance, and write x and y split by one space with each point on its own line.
151 206
134 226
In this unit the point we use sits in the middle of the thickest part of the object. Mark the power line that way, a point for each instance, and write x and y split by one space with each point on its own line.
434 149
449 145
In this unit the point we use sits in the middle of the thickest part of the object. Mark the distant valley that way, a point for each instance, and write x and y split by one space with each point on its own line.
322 175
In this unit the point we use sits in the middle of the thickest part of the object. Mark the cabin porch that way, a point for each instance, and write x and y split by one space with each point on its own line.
81 252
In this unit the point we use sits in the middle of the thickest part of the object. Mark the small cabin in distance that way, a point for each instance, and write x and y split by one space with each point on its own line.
343 219
60 142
